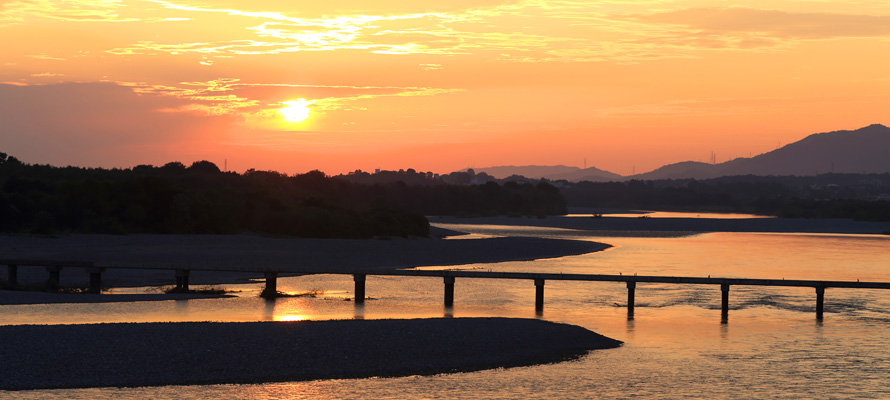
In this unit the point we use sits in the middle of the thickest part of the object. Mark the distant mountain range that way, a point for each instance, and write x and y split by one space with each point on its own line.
865 150
553 172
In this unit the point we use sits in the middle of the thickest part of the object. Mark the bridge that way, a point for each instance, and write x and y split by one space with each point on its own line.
449 276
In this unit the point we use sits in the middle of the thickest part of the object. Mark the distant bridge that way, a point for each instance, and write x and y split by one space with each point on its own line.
54 267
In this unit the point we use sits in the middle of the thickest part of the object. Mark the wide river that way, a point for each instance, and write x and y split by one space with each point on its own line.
675 347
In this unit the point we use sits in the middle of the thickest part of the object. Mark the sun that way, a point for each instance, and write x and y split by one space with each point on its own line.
295 110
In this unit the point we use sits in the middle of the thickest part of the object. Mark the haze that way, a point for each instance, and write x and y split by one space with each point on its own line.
343 85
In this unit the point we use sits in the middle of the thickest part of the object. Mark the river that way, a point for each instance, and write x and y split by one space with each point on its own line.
675 346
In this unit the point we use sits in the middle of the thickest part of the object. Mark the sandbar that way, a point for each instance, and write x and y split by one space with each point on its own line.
219 259
153 354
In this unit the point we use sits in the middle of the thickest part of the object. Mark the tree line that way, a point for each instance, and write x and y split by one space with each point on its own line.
789 197
175 198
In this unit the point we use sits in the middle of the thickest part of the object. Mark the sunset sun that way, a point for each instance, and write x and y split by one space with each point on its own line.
295 110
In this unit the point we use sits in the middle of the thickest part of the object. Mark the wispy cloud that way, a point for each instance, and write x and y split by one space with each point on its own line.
497 29
19 11
45 57
775 23
258 103
520 31
749 28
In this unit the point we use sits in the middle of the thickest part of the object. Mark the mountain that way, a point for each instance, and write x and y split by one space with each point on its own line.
865 150
552 172
591 174
680 170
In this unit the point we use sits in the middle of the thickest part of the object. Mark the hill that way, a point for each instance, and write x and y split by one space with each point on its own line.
552 172
862 151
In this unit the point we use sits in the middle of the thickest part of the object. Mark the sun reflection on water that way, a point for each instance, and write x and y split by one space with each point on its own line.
286 318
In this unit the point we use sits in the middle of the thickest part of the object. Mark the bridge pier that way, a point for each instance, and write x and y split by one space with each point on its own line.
631 288
12 276
96 280
271 289
52 283
359 288
820 301
182 280
724 306
449 291
539 295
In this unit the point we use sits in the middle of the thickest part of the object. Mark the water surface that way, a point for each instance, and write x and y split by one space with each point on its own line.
675 347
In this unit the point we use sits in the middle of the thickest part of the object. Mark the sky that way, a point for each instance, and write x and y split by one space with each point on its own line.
341 85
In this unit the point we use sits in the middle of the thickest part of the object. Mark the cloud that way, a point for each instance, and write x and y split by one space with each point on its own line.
457 29
81 123
65 10
774 23
44 57
518 31
114 125
320 9
233 97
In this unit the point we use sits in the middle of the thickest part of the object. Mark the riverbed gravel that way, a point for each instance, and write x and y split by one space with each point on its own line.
152 354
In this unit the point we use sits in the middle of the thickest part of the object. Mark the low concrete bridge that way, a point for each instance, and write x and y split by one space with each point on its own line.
53 267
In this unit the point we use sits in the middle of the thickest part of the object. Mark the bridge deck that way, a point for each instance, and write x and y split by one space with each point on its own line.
449 275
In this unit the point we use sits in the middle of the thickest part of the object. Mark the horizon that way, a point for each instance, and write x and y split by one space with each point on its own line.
343 86
224 166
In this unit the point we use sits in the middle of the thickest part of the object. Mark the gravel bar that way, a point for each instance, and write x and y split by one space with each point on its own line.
156 354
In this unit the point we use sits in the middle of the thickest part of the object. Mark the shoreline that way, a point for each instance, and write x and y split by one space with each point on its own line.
24 297
225 259
201 353
631 226
102 355
291 255
248 254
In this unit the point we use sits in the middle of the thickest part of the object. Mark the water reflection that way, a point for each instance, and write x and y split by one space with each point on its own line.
359 312
669 214
674 346
286 309
182 306
268 309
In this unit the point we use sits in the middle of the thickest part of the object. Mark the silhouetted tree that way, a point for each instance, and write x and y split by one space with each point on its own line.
204 167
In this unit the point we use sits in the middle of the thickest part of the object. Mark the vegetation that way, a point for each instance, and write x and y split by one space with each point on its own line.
463 194
826 196
200 198
837 208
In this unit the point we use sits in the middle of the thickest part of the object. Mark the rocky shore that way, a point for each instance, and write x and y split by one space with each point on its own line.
152 354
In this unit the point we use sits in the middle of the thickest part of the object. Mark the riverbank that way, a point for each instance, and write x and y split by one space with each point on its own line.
153 354
23 297
219 259
624 226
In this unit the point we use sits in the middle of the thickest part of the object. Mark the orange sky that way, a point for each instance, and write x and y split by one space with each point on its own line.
628 85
